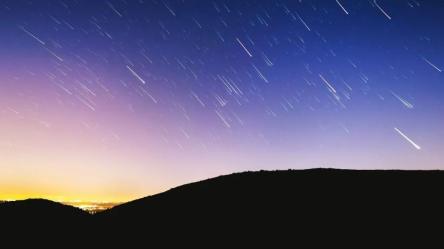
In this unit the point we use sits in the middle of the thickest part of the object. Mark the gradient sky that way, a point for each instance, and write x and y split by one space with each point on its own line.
114 100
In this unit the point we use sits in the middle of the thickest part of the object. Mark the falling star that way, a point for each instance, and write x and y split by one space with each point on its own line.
431 64
243 46
135 74
342 7
382 10
408 139
32 35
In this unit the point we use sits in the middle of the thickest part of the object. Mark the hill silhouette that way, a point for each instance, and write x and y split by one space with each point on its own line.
39 222
294 208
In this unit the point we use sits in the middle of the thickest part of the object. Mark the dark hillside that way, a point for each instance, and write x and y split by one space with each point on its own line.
42 223
319 207
294 208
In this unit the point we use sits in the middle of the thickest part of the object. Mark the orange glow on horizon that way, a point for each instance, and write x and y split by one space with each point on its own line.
15 196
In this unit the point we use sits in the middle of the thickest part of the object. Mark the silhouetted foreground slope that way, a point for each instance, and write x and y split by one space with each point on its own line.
310 208
42 223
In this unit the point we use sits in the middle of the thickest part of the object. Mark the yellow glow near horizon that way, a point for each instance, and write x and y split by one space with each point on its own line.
17 194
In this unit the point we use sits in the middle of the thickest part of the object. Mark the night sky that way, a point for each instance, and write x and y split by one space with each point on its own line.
114 100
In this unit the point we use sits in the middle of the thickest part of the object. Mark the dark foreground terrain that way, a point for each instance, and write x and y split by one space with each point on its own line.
295 208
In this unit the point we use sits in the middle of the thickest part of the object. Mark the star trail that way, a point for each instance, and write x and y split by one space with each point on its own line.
113 100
